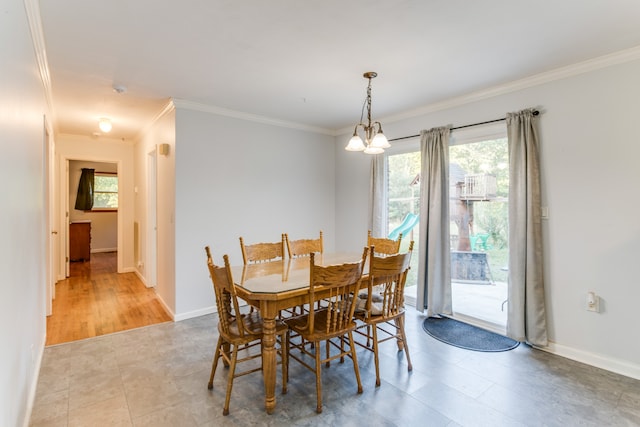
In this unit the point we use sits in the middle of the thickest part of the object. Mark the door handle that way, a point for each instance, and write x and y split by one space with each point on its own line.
54 232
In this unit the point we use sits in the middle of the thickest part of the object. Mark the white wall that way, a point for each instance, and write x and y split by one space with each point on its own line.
104 225
102 149
237 178
590 143
23 230
162 131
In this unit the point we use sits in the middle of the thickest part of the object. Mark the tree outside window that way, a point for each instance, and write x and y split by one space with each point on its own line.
105 192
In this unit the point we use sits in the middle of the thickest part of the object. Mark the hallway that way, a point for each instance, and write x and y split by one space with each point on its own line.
95 300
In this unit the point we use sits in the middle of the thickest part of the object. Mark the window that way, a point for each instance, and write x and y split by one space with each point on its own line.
403 187
105 191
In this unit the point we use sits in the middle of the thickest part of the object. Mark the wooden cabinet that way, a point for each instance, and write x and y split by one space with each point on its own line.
80 241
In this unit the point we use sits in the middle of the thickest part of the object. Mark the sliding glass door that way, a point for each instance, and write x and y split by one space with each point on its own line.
478 179
478 206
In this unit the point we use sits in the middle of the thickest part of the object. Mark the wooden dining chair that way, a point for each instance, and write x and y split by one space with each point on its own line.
384 245
262 252
335 284
384 307
303 247
238 330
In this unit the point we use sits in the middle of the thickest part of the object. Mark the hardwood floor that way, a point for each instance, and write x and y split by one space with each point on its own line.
96 300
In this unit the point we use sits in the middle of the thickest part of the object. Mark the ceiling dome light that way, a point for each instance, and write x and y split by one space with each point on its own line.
105 124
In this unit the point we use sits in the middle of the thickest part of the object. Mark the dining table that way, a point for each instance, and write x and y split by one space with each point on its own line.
274 286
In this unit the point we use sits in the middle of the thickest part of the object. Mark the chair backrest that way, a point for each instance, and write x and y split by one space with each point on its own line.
226 300
387 277
303 247
262 252
383 245
338 283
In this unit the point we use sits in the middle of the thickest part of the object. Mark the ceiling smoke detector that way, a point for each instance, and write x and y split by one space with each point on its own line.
119 88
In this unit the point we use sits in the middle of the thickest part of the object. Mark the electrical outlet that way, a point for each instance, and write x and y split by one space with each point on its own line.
544 212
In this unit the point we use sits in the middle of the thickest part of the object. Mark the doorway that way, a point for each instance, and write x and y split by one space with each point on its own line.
103 221
479 220
152 227
478 206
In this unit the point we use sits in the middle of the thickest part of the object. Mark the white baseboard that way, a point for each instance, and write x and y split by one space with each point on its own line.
195 313
165 306
31 399
142 278
621 367
99 250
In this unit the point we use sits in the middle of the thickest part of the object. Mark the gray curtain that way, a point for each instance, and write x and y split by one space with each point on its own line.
378 223
84 198
434 268
526 319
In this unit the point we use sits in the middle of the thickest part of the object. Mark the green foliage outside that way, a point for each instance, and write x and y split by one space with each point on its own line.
490 217
105 192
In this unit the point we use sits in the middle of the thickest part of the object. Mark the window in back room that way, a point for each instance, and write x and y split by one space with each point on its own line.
105 191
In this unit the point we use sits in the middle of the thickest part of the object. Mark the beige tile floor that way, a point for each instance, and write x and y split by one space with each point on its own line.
157 376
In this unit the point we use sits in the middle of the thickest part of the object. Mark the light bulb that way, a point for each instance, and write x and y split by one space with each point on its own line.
105 125
373 150
380 141
355 144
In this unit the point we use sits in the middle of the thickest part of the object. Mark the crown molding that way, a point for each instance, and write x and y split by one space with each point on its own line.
32 8
195 106
600 62
168 108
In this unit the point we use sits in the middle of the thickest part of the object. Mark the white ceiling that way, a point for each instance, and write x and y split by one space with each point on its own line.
302 61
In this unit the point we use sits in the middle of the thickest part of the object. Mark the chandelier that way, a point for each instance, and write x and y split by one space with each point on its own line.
374 140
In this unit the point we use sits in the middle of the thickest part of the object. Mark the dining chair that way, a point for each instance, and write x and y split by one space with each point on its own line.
238 330
303 247
335 284
384 245
262 252
383 308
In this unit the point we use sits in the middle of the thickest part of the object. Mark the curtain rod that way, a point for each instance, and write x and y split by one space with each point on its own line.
535 113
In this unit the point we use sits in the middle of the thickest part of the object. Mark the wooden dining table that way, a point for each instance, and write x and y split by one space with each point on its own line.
275 286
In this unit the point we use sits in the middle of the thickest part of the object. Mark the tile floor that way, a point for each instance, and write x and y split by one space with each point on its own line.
157 376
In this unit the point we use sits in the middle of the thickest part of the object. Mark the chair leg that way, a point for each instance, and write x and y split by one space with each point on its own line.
375 354
226 349
232 372
327 348
399 328
318 378
404 340
355 361
214 365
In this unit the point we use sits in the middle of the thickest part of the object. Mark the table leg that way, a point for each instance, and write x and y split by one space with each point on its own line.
269 362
